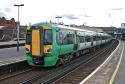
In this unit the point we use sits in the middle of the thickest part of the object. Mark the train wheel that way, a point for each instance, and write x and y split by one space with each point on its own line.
58 63
77 54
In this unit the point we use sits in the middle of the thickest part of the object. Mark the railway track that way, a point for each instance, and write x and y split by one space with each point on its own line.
78 74
49 75
15 74
77 65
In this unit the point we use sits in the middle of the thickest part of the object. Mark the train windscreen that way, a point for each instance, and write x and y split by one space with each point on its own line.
47 37
28 37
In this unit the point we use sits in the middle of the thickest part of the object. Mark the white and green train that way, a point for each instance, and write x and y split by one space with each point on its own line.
49 45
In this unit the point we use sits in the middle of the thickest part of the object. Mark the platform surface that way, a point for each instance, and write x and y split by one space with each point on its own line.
10 55
111 71
120 74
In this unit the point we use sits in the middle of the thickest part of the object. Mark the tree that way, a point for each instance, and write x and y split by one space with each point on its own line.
3 18
12 19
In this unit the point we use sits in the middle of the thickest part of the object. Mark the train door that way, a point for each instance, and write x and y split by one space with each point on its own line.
75 42
100 38
36 45
91 41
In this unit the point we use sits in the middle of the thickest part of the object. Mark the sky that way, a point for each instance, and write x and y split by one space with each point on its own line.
101 13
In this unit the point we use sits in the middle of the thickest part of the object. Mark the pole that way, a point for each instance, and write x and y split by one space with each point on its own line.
58 20
18 25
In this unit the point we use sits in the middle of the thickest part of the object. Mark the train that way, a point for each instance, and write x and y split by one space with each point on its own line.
50 44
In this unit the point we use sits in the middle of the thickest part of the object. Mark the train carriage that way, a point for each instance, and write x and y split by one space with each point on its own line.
48 44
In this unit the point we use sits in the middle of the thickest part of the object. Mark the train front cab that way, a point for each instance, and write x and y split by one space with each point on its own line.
39 47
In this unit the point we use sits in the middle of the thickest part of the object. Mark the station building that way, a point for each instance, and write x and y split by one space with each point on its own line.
120 32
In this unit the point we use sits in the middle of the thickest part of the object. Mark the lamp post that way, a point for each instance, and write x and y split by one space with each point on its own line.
58 17
18 24
110 19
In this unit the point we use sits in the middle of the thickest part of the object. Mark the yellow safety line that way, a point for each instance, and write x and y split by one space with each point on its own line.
117 67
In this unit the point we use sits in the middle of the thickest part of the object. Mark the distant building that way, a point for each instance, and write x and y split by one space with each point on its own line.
87 28
8 29
109 30
8 23
120 31
122 25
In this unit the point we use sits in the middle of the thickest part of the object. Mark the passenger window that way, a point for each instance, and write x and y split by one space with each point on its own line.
94 38
59 38
88 39
68 39
81 38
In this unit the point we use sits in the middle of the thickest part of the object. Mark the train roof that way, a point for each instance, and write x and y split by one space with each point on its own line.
60 26
80 31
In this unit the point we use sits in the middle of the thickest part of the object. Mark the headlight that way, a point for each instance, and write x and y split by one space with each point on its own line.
27 50
49 50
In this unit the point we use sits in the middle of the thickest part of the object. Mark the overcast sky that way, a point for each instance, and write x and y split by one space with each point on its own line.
88 12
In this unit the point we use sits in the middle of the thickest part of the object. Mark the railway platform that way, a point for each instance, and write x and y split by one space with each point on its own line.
10 55
111 71
11 60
